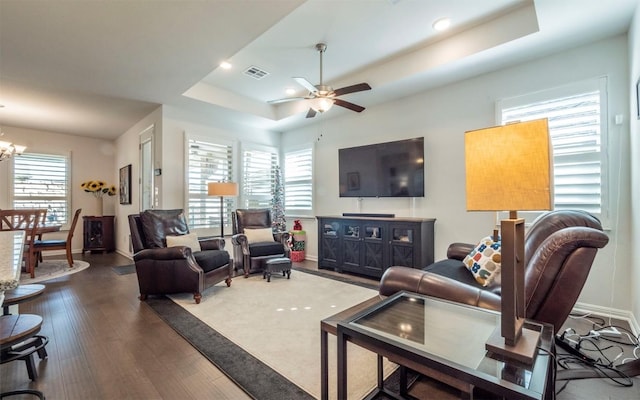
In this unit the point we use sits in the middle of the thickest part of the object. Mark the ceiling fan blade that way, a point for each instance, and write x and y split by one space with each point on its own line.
311 113
286 99
305 84
352 89
346 104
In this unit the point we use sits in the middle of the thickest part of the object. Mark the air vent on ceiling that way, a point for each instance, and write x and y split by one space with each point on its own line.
255 72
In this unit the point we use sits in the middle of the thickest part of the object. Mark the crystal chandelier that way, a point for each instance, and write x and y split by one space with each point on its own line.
7 150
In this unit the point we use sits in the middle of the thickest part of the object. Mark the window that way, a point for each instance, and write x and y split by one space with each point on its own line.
298 181
42 181
577 126
258 177
207 162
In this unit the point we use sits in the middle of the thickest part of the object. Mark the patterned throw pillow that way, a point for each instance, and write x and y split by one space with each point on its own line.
484 261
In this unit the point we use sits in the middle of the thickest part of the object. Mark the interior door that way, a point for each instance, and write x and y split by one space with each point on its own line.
146 169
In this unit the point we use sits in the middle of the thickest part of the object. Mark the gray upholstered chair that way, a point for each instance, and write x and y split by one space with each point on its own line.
560 247
176 269
250 255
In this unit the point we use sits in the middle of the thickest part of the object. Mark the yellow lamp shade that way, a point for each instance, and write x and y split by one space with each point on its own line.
509 168
222 189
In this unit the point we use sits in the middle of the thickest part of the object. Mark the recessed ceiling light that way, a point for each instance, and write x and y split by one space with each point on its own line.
442 24
290 91
225 65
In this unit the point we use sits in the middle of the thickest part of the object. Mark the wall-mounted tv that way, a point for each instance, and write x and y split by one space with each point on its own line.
391 169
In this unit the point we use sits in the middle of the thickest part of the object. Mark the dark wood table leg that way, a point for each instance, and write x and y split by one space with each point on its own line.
324 365
342 365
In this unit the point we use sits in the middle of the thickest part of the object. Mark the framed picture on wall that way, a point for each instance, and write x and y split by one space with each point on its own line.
125 184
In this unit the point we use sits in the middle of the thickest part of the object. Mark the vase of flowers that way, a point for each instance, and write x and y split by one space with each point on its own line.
99 189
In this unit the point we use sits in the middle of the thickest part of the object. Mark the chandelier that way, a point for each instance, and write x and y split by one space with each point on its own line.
7 150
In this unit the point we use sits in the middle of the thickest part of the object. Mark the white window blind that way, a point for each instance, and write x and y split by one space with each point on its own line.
42 181
258 177
576 126
207 162
298 181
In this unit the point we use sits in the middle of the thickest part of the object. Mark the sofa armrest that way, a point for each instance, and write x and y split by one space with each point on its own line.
396 279
165 253
212 243
240 240
458 251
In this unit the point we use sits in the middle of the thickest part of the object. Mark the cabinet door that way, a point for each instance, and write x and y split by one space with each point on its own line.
94 233
351 245
373 248
329 244
402 238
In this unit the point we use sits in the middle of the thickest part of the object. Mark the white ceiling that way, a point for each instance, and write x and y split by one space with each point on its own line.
94 68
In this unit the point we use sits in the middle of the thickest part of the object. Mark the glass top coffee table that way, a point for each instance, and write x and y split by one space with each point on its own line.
445 341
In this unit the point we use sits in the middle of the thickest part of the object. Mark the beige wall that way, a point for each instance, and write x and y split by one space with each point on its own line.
442 115
90 159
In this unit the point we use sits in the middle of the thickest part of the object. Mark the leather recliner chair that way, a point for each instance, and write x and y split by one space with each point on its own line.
165 270
560 247
250 257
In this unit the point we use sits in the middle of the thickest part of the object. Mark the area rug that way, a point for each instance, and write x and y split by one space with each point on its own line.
52 269
124 269
276 326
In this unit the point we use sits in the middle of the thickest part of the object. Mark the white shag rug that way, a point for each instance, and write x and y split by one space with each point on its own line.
52 269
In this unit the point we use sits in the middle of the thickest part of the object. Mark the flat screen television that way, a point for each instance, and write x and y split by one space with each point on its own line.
391 169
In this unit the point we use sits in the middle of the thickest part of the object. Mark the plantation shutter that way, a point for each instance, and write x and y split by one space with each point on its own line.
258 177
42 181
298 181
575 127
208 162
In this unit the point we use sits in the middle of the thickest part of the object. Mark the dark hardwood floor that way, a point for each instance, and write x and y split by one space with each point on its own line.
106 344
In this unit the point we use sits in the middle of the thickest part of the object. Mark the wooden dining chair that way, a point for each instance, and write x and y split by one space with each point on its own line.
25 220
41 245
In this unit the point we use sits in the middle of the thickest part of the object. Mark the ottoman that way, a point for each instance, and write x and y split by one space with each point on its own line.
279 264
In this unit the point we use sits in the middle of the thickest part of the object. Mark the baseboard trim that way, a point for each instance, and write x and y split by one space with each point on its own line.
606 312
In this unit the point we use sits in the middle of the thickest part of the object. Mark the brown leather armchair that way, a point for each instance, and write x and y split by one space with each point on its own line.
560 247
248 256
165 270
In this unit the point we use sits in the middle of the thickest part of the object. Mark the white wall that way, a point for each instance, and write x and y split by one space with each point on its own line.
634 68
442 115
91 159
128 153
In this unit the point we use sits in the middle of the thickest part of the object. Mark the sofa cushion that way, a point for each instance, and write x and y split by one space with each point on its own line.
211 259
259 235
157 224
190 240
266 249
484 261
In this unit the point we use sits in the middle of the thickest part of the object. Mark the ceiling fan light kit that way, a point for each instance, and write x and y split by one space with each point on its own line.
322 97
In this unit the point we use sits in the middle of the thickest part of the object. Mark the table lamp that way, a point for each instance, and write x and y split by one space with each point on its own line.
509 168
222 189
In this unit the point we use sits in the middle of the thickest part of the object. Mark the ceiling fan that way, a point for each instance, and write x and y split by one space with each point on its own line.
324 96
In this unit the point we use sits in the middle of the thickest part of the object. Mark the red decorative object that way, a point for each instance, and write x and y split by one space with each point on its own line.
297 226
297 256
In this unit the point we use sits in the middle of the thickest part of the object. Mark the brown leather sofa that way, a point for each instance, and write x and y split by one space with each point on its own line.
165 270
250 257
560 247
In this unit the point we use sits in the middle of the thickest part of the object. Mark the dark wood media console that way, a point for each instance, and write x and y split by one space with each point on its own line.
368 246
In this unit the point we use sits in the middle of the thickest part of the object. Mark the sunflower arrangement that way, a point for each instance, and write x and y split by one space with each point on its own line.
98 188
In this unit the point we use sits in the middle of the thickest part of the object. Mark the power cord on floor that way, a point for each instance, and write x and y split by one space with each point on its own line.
599 366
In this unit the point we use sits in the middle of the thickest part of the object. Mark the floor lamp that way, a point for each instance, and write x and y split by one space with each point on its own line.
222 189
509 168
